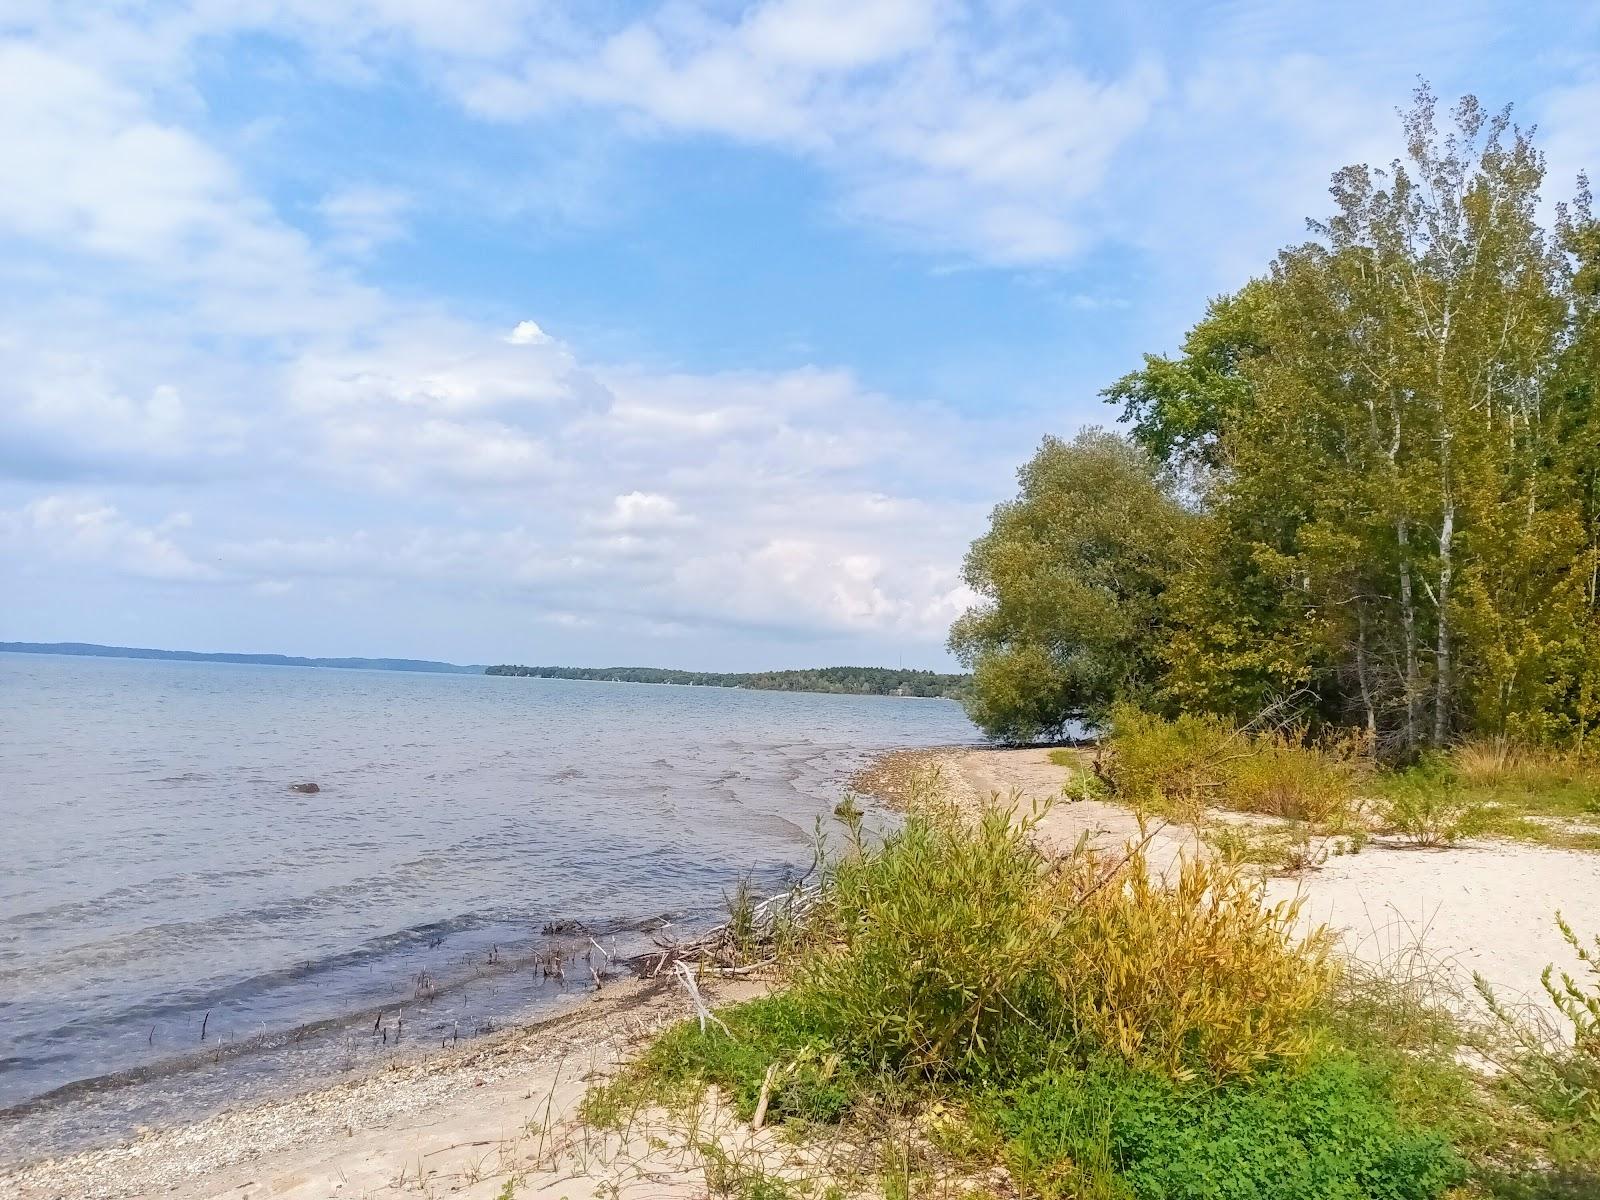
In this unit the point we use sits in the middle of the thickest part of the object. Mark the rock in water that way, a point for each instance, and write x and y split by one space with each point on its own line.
307 788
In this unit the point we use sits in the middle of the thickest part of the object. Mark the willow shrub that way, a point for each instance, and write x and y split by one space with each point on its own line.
1181 767
958 950
934 953
1168 767
1193 976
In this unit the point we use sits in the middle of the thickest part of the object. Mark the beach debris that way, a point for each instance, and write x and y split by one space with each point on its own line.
765 1098
743 945
307 788
701 1008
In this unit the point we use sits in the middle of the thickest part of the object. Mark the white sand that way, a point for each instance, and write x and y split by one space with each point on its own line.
1486 906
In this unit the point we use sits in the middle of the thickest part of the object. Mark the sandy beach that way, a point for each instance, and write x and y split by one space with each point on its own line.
1484 906
468 1121
459 1122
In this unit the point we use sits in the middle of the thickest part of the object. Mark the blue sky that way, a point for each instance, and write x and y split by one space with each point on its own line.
697 334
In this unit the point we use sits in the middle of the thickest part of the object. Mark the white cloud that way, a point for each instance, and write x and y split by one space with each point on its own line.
979 143
362 217
641 512
85 530
527 333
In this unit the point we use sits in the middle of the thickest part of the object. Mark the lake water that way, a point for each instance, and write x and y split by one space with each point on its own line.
179 929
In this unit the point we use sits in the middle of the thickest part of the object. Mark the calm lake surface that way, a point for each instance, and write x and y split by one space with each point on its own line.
178 929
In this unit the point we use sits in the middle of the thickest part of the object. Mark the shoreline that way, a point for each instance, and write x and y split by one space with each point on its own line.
465 1119
598 1021
388 1116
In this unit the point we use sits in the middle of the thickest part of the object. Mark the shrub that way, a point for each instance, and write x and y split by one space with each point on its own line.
934 948
1425 805
1179 768
1285 775
1327 1133
1166 766
957 951
1193 976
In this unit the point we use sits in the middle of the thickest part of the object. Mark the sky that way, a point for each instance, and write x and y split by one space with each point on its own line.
698 334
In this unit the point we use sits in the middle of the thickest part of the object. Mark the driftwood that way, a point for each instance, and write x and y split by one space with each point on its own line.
728 948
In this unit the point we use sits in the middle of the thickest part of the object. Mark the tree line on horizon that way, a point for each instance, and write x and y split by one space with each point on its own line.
860 681
1369 483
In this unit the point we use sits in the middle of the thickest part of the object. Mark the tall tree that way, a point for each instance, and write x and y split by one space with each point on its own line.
1392 496
1072 573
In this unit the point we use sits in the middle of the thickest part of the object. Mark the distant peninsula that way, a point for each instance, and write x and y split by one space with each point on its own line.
90 650
854 681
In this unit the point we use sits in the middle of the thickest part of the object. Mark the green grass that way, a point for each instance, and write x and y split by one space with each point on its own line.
1327 1132
1523 795
788 1029
958 1003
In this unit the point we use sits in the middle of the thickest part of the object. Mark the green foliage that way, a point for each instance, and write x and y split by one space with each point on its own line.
1327 1133
1388 448
1107 1033
937 957
1072 573
1558 1072
790 1029
1192 974
1180 767
955 954
1426 806
1178 408
1516 1124
1169 767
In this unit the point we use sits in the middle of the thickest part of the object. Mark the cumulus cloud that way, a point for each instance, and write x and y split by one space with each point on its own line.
85 530
527 333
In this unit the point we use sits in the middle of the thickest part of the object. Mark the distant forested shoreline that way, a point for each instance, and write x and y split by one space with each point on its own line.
93 650
856 681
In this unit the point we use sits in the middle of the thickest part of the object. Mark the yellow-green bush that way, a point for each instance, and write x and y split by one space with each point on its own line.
1285 774
957 949
1193 975
1170 767
1179 768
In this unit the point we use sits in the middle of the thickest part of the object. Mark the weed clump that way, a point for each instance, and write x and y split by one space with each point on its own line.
1427 807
